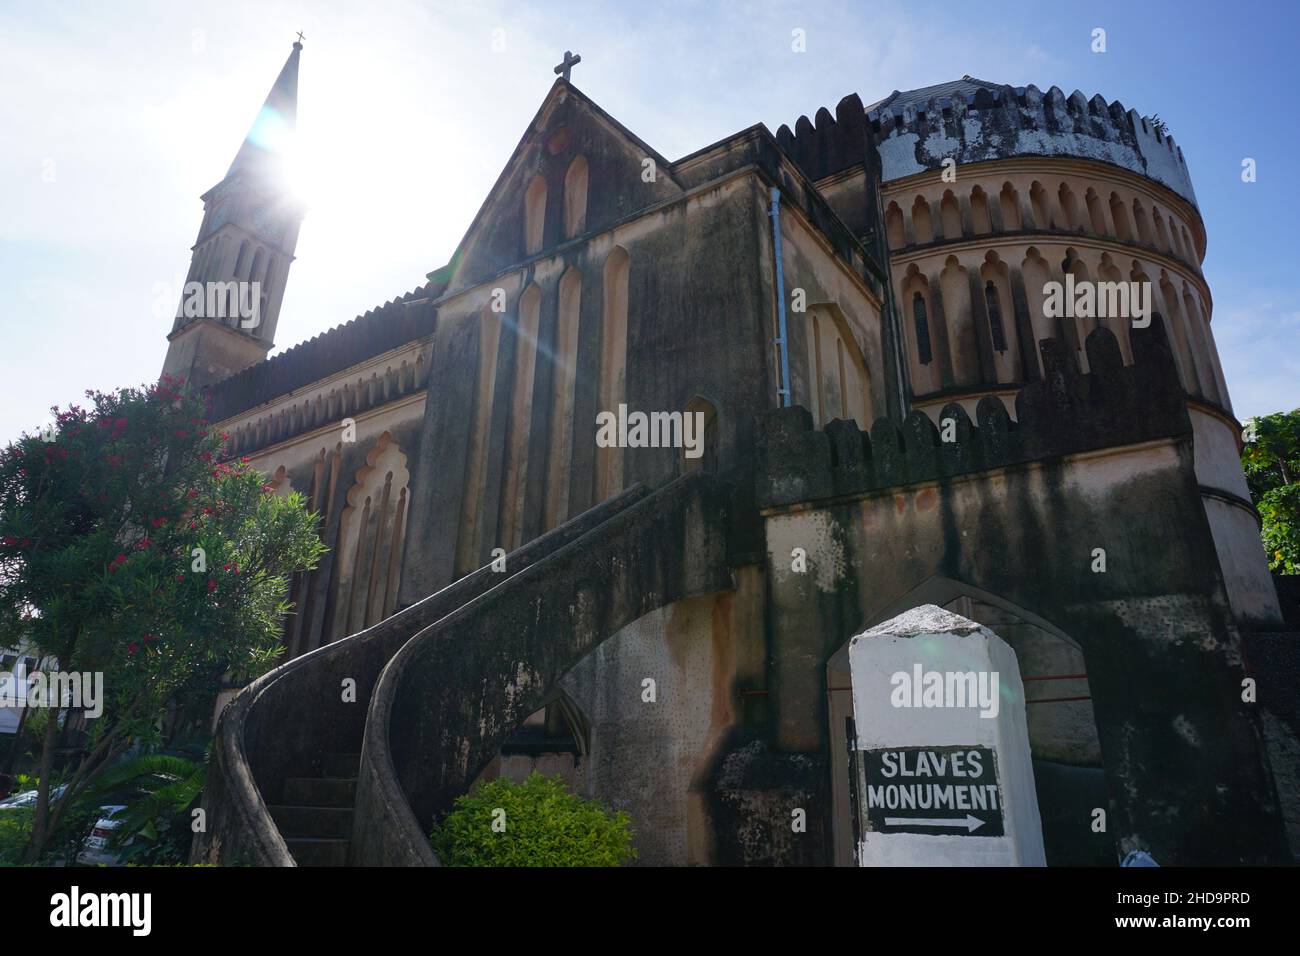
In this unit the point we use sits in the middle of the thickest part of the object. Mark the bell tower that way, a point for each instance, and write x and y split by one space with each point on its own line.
230 304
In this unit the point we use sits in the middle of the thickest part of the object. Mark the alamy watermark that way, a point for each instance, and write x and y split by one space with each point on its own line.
213 300
79 689
922 688
626 429
1101 300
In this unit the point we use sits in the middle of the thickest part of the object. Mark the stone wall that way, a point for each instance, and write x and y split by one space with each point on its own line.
1015 511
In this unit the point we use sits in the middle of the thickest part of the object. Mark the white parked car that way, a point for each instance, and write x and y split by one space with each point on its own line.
95 850
28 798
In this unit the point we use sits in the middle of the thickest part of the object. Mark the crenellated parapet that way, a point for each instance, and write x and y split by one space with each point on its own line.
1067 412
1005 122
828 144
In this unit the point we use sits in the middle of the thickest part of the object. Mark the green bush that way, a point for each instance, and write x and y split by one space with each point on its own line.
15 831
534 823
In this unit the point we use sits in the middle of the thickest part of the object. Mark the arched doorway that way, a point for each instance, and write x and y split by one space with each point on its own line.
554 740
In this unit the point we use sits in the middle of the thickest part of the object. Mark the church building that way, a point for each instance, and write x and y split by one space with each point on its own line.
608 493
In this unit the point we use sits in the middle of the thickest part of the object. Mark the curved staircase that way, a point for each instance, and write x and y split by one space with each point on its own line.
345 754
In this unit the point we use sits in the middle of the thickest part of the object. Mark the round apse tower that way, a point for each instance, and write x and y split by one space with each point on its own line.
1043 188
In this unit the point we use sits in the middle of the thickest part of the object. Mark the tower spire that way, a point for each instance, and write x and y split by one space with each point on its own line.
276 121
240 262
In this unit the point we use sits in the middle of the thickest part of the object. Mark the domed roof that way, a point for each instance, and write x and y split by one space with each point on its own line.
966 87
972 120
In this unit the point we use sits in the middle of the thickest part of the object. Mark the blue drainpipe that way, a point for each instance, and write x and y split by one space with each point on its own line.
782 340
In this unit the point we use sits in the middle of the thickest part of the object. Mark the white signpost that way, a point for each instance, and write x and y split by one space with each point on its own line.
942 768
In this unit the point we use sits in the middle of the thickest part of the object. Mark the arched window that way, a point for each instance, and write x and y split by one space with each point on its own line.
995 317
534 215
271 265
923 352
575 197
241 260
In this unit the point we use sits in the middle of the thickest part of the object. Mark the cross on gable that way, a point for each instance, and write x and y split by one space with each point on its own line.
570 61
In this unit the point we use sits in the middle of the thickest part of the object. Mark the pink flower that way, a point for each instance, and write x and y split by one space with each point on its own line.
212 585
132 647
8 540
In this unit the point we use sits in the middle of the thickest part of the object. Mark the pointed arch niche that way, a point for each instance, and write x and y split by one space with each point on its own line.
372 529
521 417
534 215
838 385
613 366
575 197
563 377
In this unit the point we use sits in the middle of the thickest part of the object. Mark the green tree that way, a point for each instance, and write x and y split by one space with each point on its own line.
1271 460
534 823
129 549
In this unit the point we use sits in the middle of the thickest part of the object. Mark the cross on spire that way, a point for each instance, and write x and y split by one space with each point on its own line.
570 61
300 37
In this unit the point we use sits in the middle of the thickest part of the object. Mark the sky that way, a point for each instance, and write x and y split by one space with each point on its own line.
115 119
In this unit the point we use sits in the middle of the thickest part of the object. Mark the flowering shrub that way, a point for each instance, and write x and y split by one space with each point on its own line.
128 547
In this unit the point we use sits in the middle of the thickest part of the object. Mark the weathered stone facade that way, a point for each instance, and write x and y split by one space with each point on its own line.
448 442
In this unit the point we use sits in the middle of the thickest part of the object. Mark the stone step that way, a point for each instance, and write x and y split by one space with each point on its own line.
320 792
340 765
308 821
319 852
